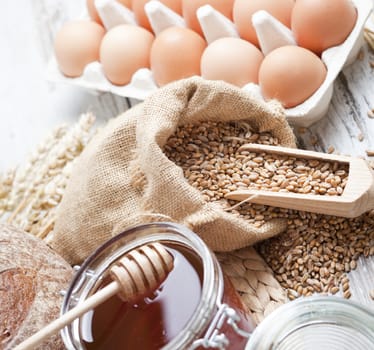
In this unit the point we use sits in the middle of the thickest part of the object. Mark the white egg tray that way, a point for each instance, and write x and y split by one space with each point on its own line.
271 34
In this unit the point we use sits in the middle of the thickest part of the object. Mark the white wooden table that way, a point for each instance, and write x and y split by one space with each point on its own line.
30 106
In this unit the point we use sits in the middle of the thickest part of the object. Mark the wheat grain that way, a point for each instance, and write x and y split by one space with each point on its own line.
210 156
316 251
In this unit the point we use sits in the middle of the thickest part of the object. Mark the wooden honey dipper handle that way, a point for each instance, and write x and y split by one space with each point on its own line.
139 272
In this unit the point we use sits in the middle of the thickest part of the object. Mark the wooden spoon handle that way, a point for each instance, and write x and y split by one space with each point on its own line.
293 152
328 205
56 325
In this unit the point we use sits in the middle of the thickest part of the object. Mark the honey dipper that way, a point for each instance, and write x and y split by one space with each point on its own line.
139 272
357 196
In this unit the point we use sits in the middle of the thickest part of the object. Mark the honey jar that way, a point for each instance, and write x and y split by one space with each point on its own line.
196 307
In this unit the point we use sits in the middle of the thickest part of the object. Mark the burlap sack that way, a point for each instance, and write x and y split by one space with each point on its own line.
101 200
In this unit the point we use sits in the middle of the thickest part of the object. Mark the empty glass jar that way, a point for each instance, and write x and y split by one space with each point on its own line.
316 323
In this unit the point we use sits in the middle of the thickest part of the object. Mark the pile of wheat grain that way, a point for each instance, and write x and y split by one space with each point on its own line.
316 251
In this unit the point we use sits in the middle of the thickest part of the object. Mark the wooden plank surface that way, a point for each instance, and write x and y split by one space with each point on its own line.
30 106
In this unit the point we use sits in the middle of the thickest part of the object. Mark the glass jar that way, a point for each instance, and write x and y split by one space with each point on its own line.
213 318
317 322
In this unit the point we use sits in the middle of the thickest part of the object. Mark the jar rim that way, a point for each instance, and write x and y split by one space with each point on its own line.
306 311
133 237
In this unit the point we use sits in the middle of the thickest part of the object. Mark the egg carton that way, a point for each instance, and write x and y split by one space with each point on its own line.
271 34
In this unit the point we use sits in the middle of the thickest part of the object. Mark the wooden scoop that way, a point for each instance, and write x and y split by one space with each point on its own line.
357 197
139 272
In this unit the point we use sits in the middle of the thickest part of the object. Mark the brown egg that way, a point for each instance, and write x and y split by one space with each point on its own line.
124 50
94 15
141 17
233 60
76 45
244 9
189 8
126 3
291 74
320 24
91 8
176 54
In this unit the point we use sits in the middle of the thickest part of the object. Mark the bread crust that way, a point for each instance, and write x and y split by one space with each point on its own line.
31 278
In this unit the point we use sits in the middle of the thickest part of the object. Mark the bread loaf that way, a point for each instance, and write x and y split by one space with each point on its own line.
31 277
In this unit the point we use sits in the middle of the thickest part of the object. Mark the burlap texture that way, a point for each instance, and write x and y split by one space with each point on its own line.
101 199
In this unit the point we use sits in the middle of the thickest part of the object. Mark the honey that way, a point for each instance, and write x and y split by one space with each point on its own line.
153 321
195 308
